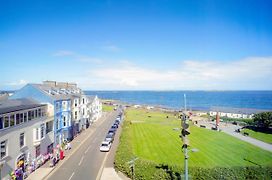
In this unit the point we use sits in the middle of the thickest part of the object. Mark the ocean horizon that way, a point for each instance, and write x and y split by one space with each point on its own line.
196 99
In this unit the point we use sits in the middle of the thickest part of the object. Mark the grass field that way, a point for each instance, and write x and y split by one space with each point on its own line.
153 138
107 108
259 135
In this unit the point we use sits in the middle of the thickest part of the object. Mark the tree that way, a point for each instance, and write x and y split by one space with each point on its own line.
263 119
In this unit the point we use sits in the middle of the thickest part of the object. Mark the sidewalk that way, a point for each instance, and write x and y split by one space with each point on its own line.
44 171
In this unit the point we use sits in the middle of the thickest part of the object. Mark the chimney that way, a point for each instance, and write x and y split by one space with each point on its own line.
50 83
62 84
72 85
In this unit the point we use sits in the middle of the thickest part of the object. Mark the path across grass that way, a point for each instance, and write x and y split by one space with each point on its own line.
153 138
259 135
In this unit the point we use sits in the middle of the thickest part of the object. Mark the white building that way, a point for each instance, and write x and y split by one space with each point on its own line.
94 108
26 134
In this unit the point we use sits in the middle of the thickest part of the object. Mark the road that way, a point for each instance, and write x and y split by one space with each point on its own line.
87 161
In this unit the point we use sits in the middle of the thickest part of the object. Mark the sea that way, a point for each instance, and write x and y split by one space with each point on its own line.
195 100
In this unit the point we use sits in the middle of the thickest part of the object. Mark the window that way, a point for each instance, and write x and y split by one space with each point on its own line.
33 114
75 103
6 121
57 124
38 150
43 111
49 126
36 113
22 139
1 122
39 112
11 120
42 130
83 111
29 115
37 133
25 117
17 118
3 148
75 114
21 117
83 101
64 121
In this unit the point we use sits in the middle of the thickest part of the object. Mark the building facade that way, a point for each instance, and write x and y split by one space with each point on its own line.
26 134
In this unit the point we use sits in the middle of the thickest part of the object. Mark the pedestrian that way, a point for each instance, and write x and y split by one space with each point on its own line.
69 146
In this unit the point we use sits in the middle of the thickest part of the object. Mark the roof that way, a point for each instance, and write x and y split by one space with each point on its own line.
59 92
12 105
237 110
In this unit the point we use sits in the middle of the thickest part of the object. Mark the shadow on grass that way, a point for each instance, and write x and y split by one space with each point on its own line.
169 171
259 129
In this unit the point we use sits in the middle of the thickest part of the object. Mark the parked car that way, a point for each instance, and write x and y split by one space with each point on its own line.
113 130
114 126
105 146
110 137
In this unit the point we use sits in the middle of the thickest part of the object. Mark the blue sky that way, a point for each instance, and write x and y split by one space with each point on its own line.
137 45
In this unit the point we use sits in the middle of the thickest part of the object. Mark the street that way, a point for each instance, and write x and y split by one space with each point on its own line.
87 161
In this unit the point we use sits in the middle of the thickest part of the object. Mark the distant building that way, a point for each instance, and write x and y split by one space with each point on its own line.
26 133
242 113
94 107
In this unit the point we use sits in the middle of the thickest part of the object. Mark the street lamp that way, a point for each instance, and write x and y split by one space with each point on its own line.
184 133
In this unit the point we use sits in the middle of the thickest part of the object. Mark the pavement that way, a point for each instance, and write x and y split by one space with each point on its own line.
84 160
230 129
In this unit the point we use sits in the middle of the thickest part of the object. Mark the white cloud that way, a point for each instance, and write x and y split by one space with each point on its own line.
18 83
77 56
249 73
62 53
112 48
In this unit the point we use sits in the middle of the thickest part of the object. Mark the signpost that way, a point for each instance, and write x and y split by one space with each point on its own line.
132 166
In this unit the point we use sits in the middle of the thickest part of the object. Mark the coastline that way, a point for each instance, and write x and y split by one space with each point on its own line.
196 109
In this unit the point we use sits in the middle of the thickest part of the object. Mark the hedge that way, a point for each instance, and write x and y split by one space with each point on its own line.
145 169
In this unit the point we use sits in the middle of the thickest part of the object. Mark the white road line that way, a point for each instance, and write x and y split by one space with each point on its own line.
102 167
87 149
71 176
81 160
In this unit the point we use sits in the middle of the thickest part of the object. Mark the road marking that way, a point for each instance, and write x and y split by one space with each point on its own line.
87 149
98 124
81 160
71 176
98 177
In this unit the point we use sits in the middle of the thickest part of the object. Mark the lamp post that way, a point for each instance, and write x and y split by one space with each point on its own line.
184 133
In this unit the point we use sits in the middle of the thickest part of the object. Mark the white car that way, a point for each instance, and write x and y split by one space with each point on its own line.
105 146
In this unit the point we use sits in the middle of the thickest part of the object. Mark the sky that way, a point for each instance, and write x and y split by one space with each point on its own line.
137 44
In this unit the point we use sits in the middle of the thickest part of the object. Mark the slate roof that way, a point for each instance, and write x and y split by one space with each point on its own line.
58 93
12 105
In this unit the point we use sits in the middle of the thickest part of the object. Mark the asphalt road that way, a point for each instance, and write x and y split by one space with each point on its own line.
86 162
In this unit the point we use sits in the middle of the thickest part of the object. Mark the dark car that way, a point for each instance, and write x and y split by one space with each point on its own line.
112 131
114 126
109 137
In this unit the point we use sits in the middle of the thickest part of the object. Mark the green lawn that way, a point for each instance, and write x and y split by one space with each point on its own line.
259 135
107 108
153 138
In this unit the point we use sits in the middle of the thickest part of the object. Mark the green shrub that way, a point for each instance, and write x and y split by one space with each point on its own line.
146 169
